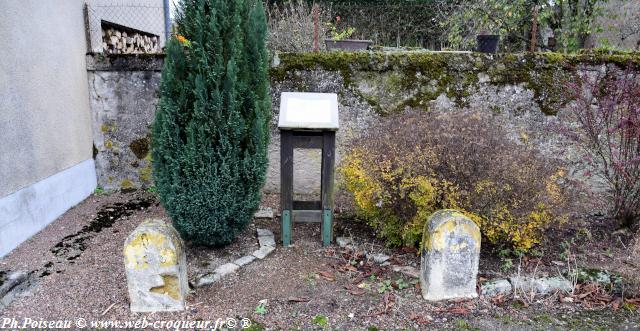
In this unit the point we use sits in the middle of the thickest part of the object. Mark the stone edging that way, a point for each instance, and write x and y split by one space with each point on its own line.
543 285
12 286
267 245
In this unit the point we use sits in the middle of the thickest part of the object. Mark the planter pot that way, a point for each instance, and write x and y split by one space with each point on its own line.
348 44
487 43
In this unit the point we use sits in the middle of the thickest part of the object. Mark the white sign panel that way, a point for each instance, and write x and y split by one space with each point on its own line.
308 111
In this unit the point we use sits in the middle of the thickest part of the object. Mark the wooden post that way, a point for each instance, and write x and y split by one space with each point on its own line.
311 130
286 184
327 174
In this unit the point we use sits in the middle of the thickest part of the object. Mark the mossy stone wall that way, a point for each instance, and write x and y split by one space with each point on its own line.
524 89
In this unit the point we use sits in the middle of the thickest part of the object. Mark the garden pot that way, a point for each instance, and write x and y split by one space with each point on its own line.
348 44
487 43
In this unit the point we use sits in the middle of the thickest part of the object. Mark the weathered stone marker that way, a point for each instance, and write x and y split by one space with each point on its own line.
450 256
156 268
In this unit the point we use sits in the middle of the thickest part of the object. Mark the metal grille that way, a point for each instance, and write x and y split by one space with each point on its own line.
140 18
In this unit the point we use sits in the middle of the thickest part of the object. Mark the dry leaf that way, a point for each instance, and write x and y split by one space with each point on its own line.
615 305
420 319
298 299
327 276
354 291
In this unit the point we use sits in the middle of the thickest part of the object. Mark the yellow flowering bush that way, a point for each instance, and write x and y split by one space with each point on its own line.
413 164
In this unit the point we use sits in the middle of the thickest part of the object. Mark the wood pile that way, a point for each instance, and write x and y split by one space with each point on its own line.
117 41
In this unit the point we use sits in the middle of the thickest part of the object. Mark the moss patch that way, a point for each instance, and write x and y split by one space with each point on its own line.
171 287
126 184
146 173
140 147
412 79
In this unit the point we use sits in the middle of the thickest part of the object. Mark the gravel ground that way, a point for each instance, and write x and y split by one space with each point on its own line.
77 267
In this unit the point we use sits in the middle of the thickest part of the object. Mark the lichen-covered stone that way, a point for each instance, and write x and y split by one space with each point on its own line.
380 258
496 287
244 260
408 271
264 232
526 285
267 241
263 252
343 241
264 213
206 279
450 256
11 286
156 268
226 269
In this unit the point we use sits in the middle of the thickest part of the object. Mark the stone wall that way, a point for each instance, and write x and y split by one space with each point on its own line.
123 96
523 89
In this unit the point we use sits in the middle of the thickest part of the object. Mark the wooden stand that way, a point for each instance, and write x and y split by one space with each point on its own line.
326 141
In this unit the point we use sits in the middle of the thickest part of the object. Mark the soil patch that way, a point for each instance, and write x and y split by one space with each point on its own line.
303 287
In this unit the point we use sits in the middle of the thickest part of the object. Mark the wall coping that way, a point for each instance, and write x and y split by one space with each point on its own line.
124 62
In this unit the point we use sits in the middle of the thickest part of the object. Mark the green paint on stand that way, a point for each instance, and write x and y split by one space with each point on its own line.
327 227
286 228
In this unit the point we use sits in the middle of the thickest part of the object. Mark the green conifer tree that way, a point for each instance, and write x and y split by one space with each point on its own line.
211 129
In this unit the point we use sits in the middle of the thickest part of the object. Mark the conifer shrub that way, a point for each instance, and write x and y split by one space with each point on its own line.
210 134
410 165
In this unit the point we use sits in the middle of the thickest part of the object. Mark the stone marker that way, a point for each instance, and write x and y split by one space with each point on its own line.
450 256
156 268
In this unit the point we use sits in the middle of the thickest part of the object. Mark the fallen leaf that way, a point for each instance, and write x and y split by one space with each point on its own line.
615 305
420 319
358 279
453 310
409 250
498 299
354 291
635 301
299 299
459 311
327 276
566 299
389 301
350 267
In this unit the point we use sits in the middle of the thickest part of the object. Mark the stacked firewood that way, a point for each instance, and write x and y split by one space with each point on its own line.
115 41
